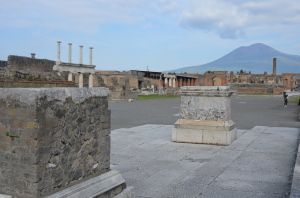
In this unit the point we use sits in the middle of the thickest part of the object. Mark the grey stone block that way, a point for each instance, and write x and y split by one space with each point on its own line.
92 187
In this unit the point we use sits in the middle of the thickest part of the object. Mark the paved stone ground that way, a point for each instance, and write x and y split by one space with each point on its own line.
258 164
248 111
295 190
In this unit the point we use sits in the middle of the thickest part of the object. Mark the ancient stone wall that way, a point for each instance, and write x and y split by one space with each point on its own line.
252 90
148 82
134 82
35 84
52 138
19 63
3 64
256 88
215 79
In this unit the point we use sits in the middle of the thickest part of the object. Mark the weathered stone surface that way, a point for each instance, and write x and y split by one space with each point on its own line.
295 191
52 138
204 136
110 183
205 116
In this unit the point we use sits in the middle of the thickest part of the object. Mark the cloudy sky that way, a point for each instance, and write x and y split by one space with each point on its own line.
134 34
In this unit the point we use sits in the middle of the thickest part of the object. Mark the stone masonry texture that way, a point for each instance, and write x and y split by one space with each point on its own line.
205 108
51 138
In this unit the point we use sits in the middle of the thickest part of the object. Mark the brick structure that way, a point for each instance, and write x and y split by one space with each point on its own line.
291 80
51 139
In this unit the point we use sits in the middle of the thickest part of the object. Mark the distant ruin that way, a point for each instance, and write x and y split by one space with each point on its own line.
20 71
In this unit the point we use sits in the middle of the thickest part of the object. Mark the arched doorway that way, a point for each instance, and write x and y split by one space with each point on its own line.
295 82
216 81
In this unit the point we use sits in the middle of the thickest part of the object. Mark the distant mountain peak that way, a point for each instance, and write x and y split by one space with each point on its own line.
256 58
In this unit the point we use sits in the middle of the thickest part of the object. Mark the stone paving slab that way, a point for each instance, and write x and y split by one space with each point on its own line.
260 163
295 190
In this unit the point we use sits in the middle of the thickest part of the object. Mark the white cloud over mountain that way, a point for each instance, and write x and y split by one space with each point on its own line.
231 18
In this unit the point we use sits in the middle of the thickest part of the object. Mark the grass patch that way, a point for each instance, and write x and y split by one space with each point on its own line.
146 97
259 94
294 99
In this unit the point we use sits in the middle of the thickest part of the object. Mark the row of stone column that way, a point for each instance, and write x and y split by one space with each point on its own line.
80 79
70 53
172 82
70 74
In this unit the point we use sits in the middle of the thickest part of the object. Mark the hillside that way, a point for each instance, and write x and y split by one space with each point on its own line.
256 58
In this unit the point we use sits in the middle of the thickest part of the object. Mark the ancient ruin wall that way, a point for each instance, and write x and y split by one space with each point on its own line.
51 138
35 84
3 64
20 63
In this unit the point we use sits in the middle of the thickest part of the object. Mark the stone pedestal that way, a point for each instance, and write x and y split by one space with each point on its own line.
205 116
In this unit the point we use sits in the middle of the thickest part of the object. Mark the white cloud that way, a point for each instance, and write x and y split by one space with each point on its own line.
81 14
230 19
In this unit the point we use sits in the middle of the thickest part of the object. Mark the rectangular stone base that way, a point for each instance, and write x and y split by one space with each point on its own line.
204 132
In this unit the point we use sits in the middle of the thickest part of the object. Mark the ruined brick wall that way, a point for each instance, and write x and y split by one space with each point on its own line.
256 88
35 84
134 82
147 82
3 64
17 63
278 91
25 68
51 138
249 90
210 78
201 80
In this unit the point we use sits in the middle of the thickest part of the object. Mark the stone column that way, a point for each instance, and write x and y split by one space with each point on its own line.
180 82
231 77
161 83
192 82
80 55
91 56
70 53
274 71
205 116
80 80
265 77
195 82
153 88
166 82
33 55
174 82
274 67
170 82
188 82
58 52
70 76
91 80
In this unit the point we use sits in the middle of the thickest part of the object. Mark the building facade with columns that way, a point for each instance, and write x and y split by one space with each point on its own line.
73 68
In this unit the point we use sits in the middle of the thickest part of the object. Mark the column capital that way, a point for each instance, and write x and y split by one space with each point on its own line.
69 43
91 47
58 42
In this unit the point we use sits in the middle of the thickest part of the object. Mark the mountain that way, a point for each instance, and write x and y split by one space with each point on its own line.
256 58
